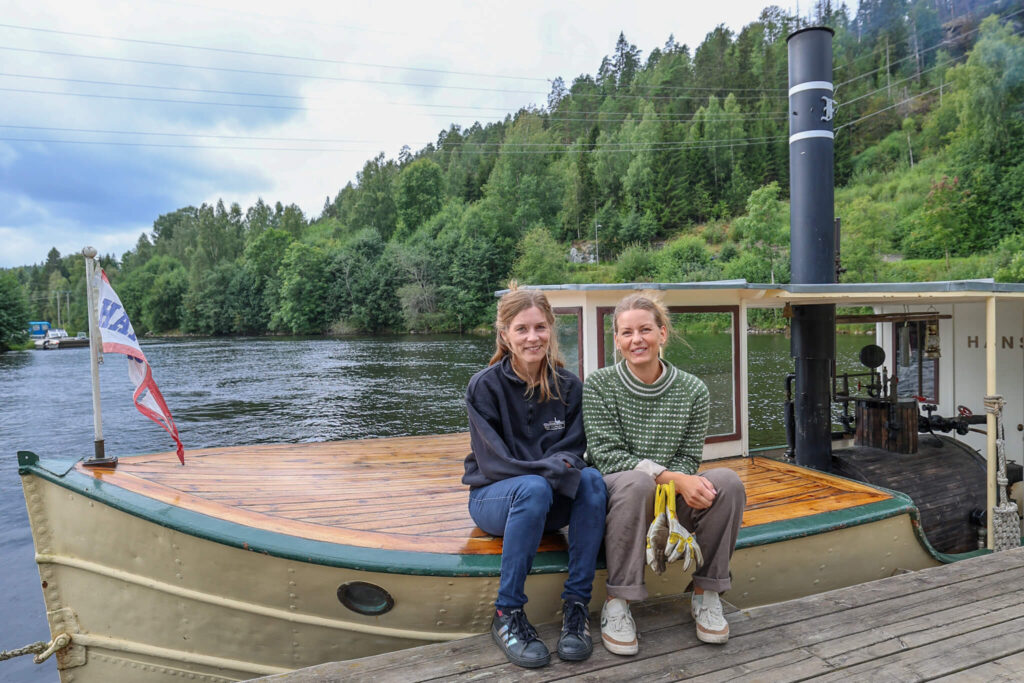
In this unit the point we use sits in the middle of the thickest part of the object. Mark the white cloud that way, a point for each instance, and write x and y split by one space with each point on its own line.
110 191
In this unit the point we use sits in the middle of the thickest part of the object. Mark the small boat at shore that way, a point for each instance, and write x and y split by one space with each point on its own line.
253 560
58 338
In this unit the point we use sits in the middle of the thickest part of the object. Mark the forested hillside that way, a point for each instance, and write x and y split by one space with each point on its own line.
668 164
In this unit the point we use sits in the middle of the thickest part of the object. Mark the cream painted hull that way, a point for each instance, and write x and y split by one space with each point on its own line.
146 603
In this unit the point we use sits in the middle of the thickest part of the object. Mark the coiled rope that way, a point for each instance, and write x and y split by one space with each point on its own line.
1005 520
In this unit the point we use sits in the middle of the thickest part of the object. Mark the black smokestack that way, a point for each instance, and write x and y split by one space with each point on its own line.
812 238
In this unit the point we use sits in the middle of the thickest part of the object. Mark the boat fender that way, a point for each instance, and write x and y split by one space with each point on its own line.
1017 495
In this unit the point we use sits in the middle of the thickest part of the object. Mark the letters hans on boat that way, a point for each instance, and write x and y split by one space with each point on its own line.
119 337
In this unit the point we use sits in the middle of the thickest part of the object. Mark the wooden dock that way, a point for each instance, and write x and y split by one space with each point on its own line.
963 622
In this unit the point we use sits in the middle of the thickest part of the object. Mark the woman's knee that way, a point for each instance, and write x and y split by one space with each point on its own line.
727 483
631 488
533 489
592 487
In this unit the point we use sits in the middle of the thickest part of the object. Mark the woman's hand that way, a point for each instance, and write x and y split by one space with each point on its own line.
697 492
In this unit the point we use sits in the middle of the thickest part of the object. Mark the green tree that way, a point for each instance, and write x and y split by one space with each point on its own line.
207 306
636 263
305 283
686 259
374 203
764 228
419 194
1010 255
541 259
257 285
364 283
13 312
942 222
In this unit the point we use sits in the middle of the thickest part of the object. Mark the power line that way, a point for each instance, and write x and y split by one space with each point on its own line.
454 145
156 99
185 135
610 117
891 106
251 53
661 116
921 52
908 78
937 29
321 60
343 79
677 146
257 72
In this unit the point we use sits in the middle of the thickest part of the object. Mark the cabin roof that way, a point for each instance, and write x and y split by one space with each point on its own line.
841 293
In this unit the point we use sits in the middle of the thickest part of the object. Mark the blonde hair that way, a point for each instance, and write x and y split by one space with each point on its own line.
511 304
643 301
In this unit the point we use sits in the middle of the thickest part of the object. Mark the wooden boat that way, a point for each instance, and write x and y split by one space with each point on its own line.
255 560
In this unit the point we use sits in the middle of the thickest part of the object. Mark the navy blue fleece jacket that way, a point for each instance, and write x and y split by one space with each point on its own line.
512 435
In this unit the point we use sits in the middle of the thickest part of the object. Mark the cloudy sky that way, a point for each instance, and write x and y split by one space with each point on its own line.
116 112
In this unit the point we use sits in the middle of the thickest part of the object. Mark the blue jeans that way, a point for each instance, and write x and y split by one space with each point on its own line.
521 509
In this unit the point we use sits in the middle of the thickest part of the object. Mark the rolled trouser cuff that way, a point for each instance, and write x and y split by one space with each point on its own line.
630 593
708 584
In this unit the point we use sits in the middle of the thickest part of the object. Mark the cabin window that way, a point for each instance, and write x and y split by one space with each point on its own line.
706 344
569 324
918 375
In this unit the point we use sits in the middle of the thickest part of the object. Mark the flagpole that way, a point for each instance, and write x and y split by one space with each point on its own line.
99 457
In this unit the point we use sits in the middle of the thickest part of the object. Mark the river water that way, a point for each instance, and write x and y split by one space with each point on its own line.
226 392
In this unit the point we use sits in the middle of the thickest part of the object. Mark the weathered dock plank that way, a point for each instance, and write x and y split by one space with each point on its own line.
963 621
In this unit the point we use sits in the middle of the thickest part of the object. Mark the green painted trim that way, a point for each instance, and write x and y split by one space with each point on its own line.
824 522
61 473
269 542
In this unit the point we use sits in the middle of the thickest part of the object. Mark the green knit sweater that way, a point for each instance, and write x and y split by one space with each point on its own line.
627 421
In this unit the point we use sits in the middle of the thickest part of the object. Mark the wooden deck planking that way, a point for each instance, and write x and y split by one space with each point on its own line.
404 493
962 622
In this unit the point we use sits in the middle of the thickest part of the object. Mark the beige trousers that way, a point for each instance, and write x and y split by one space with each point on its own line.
631 511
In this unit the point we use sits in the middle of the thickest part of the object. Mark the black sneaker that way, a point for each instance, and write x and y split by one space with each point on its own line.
575 644
518 639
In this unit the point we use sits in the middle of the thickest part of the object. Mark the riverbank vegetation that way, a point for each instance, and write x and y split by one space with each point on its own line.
669 166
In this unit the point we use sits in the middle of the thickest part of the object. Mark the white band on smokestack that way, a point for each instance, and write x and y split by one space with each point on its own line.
811 85
811 134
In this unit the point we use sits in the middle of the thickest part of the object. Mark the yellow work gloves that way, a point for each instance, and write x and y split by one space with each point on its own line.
667 539
657 533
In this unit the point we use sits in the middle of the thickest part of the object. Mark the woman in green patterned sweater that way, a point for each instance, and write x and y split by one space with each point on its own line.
646 421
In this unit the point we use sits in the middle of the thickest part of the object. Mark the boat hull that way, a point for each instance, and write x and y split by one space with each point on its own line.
147 602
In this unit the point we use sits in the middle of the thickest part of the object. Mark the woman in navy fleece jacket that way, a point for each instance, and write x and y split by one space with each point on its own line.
527 475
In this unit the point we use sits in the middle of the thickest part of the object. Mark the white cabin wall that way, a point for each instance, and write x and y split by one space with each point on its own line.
962 365
969 347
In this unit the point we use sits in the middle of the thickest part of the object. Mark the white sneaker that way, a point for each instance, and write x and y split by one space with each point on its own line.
618 630
707 612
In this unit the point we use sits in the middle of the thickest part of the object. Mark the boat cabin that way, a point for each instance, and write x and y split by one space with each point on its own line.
37 329
934 335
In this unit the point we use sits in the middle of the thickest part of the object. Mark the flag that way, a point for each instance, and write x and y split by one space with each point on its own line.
119 337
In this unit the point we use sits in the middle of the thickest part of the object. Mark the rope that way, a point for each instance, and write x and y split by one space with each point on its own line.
1005 520
33 649
41 649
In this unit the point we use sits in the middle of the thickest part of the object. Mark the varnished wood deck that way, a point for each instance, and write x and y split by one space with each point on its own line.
958 622
404 493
